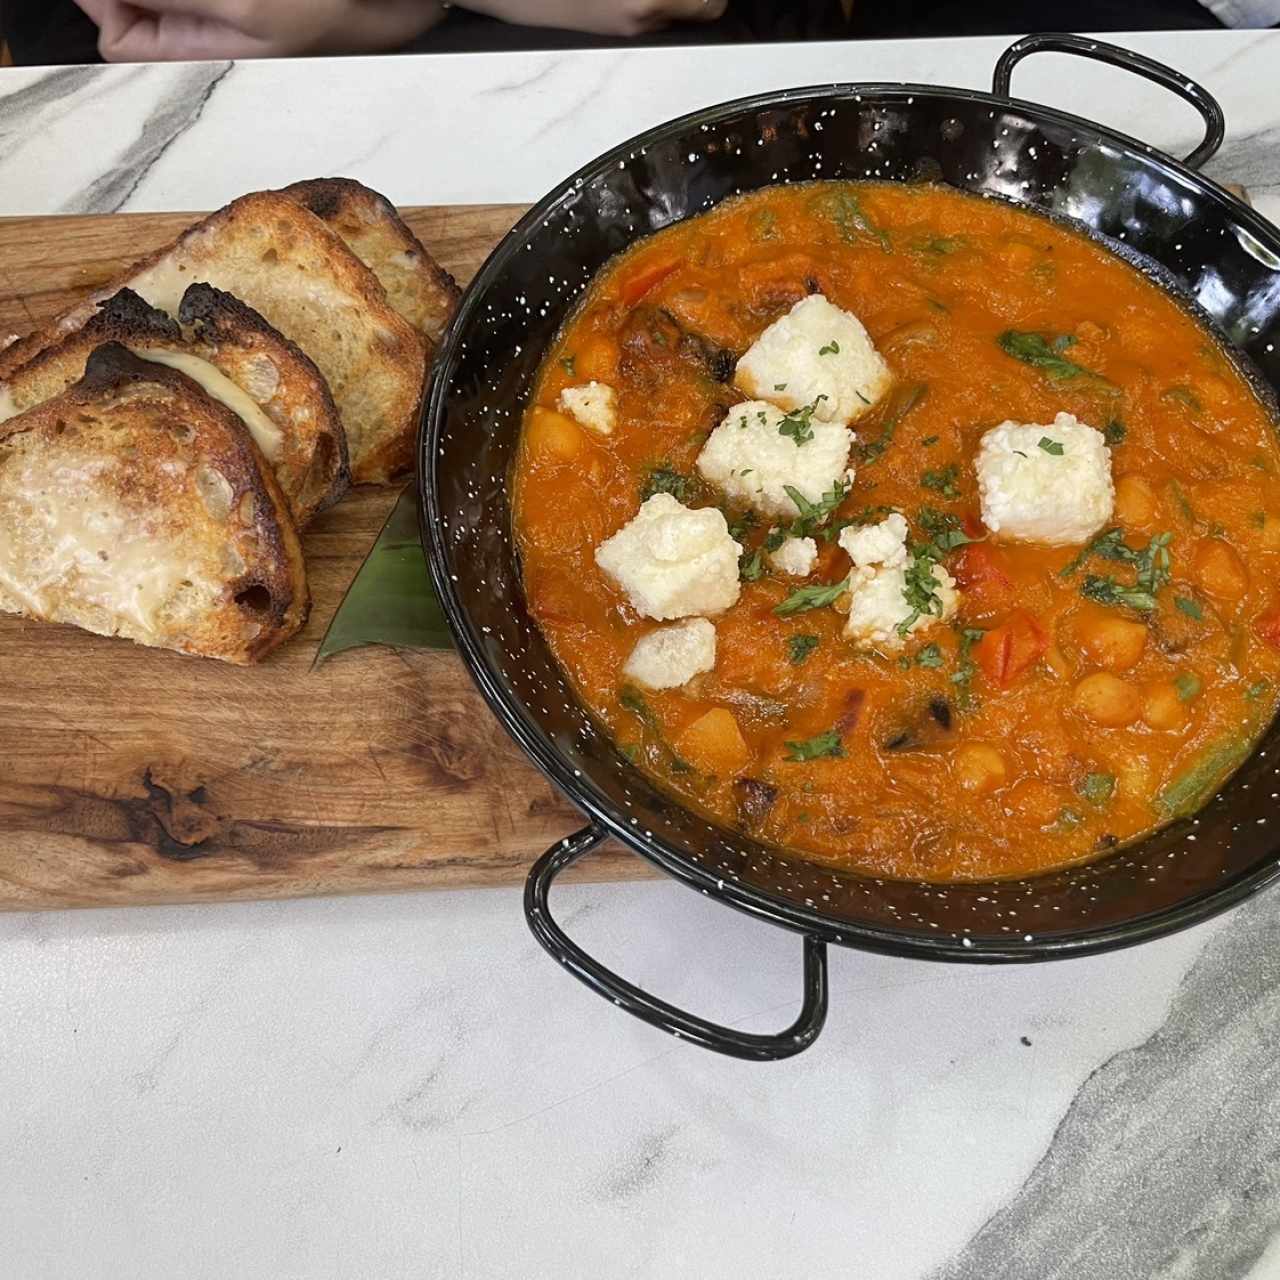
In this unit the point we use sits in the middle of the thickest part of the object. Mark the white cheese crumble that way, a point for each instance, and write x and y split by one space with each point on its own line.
877 544
673 561
878 604
1049 484
816 353
594 405
672 656
796 556
758 451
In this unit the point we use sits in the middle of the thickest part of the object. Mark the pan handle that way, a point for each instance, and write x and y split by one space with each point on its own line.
1056 42
658 1013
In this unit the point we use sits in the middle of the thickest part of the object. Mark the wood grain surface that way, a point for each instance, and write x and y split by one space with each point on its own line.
131 775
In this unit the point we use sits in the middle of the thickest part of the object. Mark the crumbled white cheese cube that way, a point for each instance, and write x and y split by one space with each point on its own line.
672 656
594 404
673 561
878 604
796 557
878 607
884 543
1049 484
816 354
754 454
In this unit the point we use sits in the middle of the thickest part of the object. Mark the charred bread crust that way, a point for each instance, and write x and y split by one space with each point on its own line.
217 319
326 198
124 317
113 370
329 198
399 347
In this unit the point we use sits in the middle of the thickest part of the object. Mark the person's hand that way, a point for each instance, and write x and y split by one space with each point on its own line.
600 17
169 30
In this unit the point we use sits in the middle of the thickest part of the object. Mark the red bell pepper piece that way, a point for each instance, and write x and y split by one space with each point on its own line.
1009 649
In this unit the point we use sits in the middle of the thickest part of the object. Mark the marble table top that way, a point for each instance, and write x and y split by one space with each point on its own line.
407 1087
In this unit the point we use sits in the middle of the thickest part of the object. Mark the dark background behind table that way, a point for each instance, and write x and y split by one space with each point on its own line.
43 32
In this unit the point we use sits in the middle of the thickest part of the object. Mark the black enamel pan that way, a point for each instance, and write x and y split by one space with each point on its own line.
1198 241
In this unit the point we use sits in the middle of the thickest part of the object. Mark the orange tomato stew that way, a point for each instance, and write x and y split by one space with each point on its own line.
937 657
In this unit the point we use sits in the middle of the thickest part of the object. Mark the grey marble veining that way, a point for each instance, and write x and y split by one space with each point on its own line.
166 122
1167 1163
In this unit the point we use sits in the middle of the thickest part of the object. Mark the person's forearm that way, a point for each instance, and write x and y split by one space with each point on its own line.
600 17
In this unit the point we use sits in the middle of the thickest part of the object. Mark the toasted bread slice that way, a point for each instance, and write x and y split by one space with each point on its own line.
285 263
238 358
135 505
417 286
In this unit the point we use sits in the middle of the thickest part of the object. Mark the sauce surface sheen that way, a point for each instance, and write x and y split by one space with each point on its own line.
945 770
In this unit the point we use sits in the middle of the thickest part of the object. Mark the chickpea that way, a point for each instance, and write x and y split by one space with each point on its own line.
1162 708
1036 802
1136 503
1218 570
552 435
978 767
1107 700
596 359
1112 641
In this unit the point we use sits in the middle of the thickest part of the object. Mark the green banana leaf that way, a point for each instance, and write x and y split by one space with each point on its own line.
391 601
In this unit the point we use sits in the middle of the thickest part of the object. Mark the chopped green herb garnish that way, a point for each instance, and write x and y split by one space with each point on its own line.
962 676
1152 565
812 597
663 479
631 751
1258 519
797 425
779 386
1104 589
1109 544
1187 685
1054 447
1190 789
800 647
929 656
929 440
751 565
831 349
774 539
634 701
741 524
1181 499
1115 431
1097 788
920 587
825 744
813 514
871 451
941 245
1182 395
1190 607
843 208
944 530
1044 352
1256 690
942 480
567 363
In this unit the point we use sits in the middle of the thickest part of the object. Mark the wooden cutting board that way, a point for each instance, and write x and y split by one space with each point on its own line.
128 775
